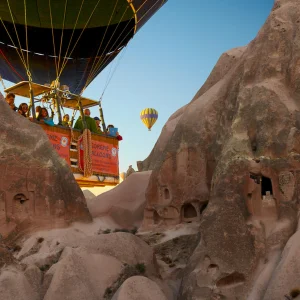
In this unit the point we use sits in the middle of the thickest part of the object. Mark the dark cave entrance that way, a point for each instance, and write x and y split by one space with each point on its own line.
266 186
189 211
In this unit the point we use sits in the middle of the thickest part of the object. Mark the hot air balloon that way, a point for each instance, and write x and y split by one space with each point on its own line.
70 39
52 50
149 117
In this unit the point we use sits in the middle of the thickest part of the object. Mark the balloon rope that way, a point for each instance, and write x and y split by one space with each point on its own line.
62 35
2 82
53 40
93 72
21 58
21 55
147 10
66 55
63 66
110 78
104 61
27 53
92 68
99 64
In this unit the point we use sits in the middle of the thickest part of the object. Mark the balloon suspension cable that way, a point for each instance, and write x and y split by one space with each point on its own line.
102 115
79 104
2 82
100 63
73 117
56 85
31 103
52 110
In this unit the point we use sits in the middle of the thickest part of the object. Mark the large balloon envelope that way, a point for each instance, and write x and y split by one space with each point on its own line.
149 117
77 31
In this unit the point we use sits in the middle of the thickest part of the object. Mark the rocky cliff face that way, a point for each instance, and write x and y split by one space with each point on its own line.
37 188
231 160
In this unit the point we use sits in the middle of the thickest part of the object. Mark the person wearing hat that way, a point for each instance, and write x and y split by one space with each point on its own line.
98 122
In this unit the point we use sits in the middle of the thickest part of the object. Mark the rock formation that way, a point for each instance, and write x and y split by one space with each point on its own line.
68 264
222 194
129 171
88 195
37 188
231 160
125 203
139 288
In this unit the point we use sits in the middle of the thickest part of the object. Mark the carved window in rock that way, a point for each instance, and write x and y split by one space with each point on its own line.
21 198
166 194
21 205
266 186
189 211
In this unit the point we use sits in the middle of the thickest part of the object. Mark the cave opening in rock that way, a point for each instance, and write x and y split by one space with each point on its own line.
156 217
166 193
266 186
232 280
20 197
203 206
189 211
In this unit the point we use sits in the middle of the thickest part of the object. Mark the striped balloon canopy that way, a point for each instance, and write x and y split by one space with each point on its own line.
149 117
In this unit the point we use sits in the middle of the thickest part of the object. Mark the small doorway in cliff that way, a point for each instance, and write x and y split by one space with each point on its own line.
268 204
266 186
166 194
188 212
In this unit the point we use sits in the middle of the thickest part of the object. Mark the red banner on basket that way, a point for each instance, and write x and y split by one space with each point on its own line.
61 143
105 157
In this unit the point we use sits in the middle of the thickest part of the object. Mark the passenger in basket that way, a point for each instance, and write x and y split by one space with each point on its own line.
98 122
66 120
111 133
90 122
23 109
43 117
37 111
10 99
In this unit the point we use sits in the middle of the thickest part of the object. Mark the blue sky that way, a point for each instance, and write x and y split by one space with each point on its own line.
167 62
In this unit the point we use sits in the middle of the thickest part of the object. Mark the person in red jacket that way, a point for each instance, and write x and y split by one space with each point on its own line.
118 136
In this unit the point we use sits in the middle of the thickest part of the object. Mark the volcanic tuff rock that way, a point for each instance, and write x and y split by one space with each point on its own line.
37 188
88 195
236 147
67 264
139 288
125 203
